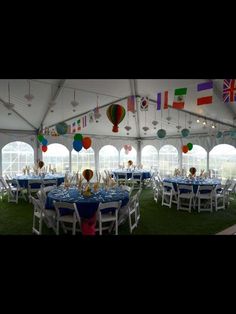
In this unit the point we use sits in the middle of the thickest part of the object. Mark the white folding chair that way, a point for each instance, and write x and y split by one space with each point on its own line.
51 182
72 217
132 213
3 187
137 205
127 188
38 213
110 217
185 193
136 180
14 191
205 194
34 186
49 215
121 178
167 194
219 197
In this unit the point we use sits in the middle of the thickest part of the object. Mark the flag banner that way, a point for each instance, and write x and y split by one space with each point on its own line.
73 127
179 98
91 117
69 129
205 91
144 104
131 104
229 91
78 125
162 100
84 121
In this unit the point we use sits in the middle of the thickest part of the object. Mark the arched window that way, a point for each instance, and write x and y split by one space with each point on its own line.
15 156
108 158
57 156
196 157
84 159
132 155
222 161
168 160
149 157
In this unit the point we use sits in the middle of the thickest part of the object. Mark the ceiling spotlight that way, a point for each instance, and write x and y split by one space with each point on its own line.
9 113
204 122
213 126
198 121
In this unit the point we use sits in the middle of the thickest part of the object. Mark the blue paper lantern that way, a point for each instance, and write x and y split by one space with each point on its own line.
219 134
161 133
44 142
185 132
62 128
77 145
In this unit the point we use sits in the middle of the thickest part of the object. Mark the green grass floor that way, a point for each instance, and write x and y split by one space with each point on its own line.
16 219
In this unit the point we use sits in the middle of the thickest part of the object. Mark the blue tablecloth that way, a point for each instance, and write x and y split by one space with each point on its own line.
145 174
194 182
87 206
23 180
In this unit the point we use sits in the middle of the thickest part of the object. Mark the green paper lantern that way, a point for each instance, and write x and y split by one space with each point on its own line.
219 134
161 133
40 138
62 128
185 132
190 146
78 137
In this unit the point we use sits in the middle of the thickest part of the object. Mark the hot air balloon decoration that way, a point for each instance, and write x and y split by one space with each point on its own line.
88 174
115 114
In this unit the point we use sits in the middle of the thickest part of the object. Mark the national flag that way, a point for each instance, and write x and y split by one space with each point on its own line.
229 91
84 121
131 104
73 127
78 125
179 98
144 103
205 91
162 103
91 116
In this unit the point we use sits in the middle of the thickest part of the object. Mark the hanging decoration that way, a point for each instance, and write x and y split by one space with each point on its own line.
154 123
97 115
91 116
88 174
179 98
84 121
190 121
161 133
128 128
131 104
229 91
40 164
78 142
78 137
127 149
115 114
145 128
29 97
87 142
190 146
205 92
62 128
219 134
162 100
185 149
144 103
74 103
185 132
43 141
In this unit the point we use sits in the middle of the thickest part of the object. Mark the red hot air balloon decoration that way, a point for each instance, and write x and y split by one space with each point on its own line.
115 114
88 174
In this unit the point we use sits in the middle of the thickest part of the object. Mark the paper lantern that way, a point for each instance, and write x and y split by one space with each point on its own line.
190 146
40 137
40 164
185 149
185 132
77 145
87 142
61 128
44 142
219 134
115 114
161 133
88 174
78 137
44 149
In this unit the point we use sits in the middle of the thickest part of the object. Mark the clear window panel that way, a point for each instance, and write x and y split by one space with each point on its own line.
149 157
57 156
84 159
108 158
168 160
124 158
196 157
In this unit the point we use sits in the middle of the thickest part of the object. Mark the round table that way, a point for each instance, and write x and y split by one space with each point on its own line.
23 180
194 182
87 206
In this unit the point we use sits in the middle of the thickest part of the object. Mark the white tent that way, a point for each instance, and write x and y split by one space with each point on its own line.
51 104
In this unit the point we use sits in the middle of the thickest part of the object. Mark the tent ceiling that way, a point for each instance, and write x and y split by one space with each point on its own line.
108 91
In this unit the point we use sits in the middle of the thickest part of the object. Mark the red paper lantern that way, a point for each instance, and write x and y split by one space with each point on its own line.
44 149
185 149
87 142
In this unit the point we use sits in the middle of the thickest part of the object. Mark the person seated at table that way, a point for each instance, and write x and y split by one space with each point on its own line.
192 171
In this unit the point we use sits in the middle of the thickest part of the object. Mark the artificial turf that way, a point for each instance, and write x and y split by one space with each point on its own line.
16 219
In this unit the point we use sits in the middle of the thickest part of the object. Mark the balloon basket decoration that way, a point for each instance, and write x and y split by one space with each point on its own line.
115 114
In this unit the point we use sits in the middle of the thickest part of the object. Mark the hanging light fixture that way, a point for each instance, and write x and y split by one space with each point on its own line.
168 117
29 97
198 120
51 103
178 127
155 122
74 103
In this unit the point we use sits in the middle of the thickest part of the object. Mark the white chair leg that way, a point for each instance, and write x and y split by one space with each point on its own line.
100 226
40 225
74 227
57 231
